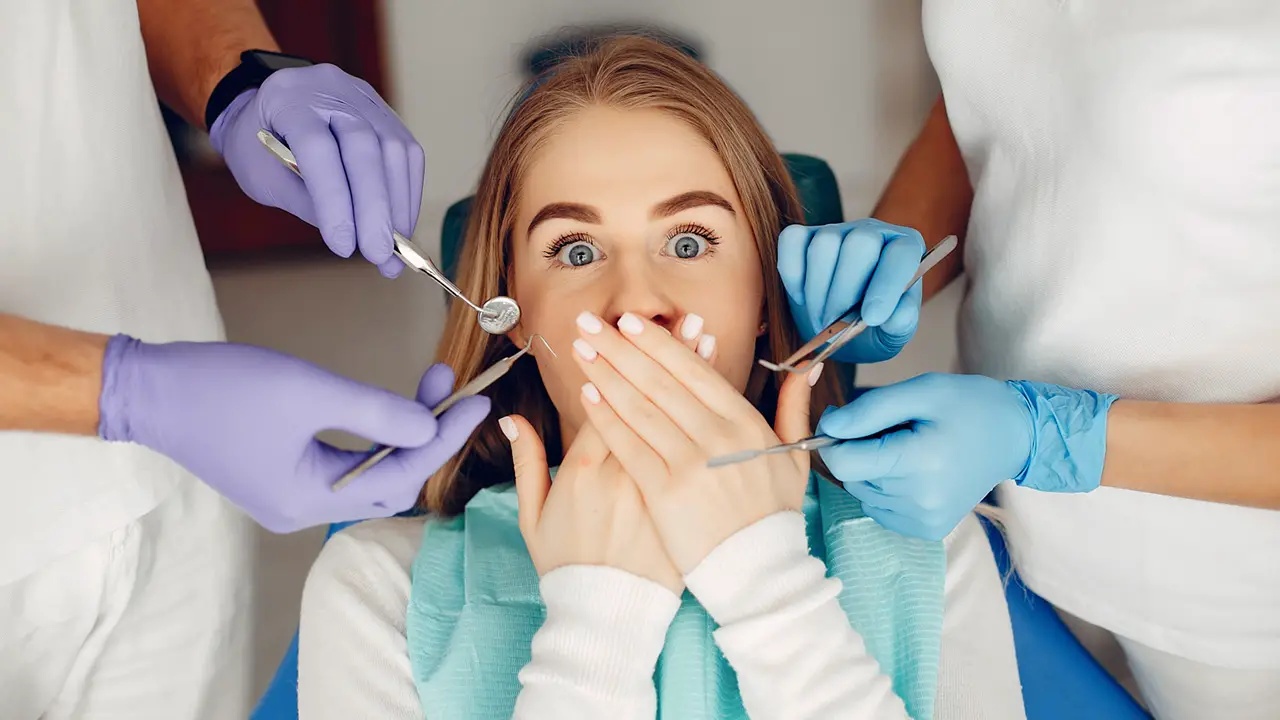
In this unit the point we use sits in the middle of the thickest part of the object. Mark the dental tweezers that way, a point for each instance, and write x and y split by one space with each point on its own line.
498 315
850 325
478 383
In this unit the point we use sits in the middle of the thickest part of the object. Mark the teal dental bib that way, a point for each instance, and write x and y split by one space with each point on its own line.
474 608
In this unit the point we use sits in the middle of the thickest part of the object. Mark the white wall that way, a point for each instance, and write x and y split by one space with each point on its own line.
846 80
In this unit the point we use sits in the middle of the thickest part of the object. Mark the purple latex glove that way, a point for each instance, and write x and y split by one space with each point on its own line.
363 169
243 419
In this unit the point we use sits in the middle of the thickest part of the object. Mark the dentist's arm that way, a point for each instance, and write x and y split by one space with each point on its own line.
50 377
192 44
242 419
364 170
930 191
922 453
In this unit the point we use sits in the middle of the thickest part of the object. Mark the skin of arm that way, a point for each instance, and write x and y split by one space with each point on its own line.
50 377
1218 453
930 191
192 44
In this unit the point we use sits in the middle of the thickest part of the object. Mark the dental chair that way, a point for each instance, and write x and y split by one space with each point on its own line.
1060 680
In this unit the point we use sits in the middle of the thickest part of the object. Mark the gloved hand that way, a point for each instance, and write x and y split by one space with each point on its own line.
243 419
944 441
363 169
829 269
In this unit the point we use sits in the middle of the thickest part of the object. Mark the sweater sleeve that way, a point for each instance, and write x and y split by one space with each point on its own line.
595 653
783 630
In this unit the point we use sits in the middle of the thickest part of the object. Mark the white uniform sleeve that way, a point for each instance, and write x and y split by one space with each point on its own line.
783 630
353 659
595 653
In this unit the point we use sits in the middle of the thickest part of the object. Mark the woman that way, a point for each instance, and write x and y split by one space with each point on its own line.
630 205
1116 168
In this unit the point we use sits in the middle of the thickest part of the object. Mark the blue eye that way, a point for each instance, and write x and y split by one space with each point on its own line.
578 254
686 245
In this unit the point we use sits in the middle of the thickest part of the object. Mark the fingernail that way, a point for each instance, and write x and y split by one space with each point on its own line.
584 349
814 374
630 324
706 346
508 427
592 394
589 323
691 327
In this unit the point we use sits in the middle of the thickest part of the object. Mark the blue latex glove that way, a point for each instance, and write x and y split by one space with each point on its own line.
829 269
243 419
363 169
944 441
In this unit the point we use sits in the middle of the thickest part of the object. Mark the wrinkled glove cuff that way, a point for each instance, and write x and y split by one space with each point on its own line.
117 379
1069 437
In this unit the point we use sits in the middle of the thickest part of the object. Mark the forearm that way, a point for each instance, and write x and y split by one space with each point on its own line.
1219 453
50 377
783 630
930 192
192 44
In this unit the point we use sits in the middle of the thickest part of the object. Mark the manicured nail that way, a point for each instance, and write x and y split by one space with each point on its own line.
691 327
814 374
508 427
706 346
630 324
584 349
592 394
589 323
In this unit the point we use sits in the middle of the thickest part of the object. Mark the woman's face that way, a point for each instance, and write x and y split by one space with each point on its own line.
632 211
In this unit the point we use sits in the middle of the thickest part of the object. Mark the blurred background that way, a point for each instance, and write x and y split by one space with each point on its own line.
845 80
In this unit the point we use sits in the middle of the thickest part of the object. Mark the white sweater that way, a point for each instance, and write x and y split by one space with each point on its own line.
781 628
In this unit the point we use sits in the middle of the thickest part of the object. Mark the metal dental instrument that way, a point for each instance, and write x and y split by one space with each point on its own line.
817 442
498 315
850 325
478 383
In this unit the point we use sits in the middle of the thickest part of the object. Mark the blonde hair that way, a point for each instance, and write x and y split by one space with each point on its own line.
625 72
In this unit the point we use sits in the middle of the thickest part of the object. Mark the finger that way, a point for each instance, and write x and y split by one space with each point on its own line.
397 481
881 408
859 252
902 324
647 420
588 448
363 163
395 158
661 367
690 331
791 421
819 271
374 414
320 162
898 261
533 478
417 178
793 247
872 495
869 460
436 385
905 524
634 454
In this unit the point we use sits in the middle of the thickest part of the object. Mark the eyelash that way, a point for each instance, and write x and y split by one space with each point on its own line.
702 231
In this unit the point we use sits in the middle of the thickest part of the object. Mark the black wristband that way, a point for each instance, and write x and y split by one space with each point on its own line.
254 69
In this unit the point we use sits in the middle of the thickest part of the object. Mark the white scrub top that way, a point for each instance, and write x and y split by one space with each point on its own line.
95 234
1125 237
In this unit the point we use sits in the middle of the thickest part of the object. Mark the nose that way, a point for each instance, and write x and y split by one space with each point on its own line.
640 291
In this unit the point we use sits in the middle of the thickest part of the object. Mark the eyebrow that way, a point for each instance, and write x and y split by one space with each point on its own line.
666 208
